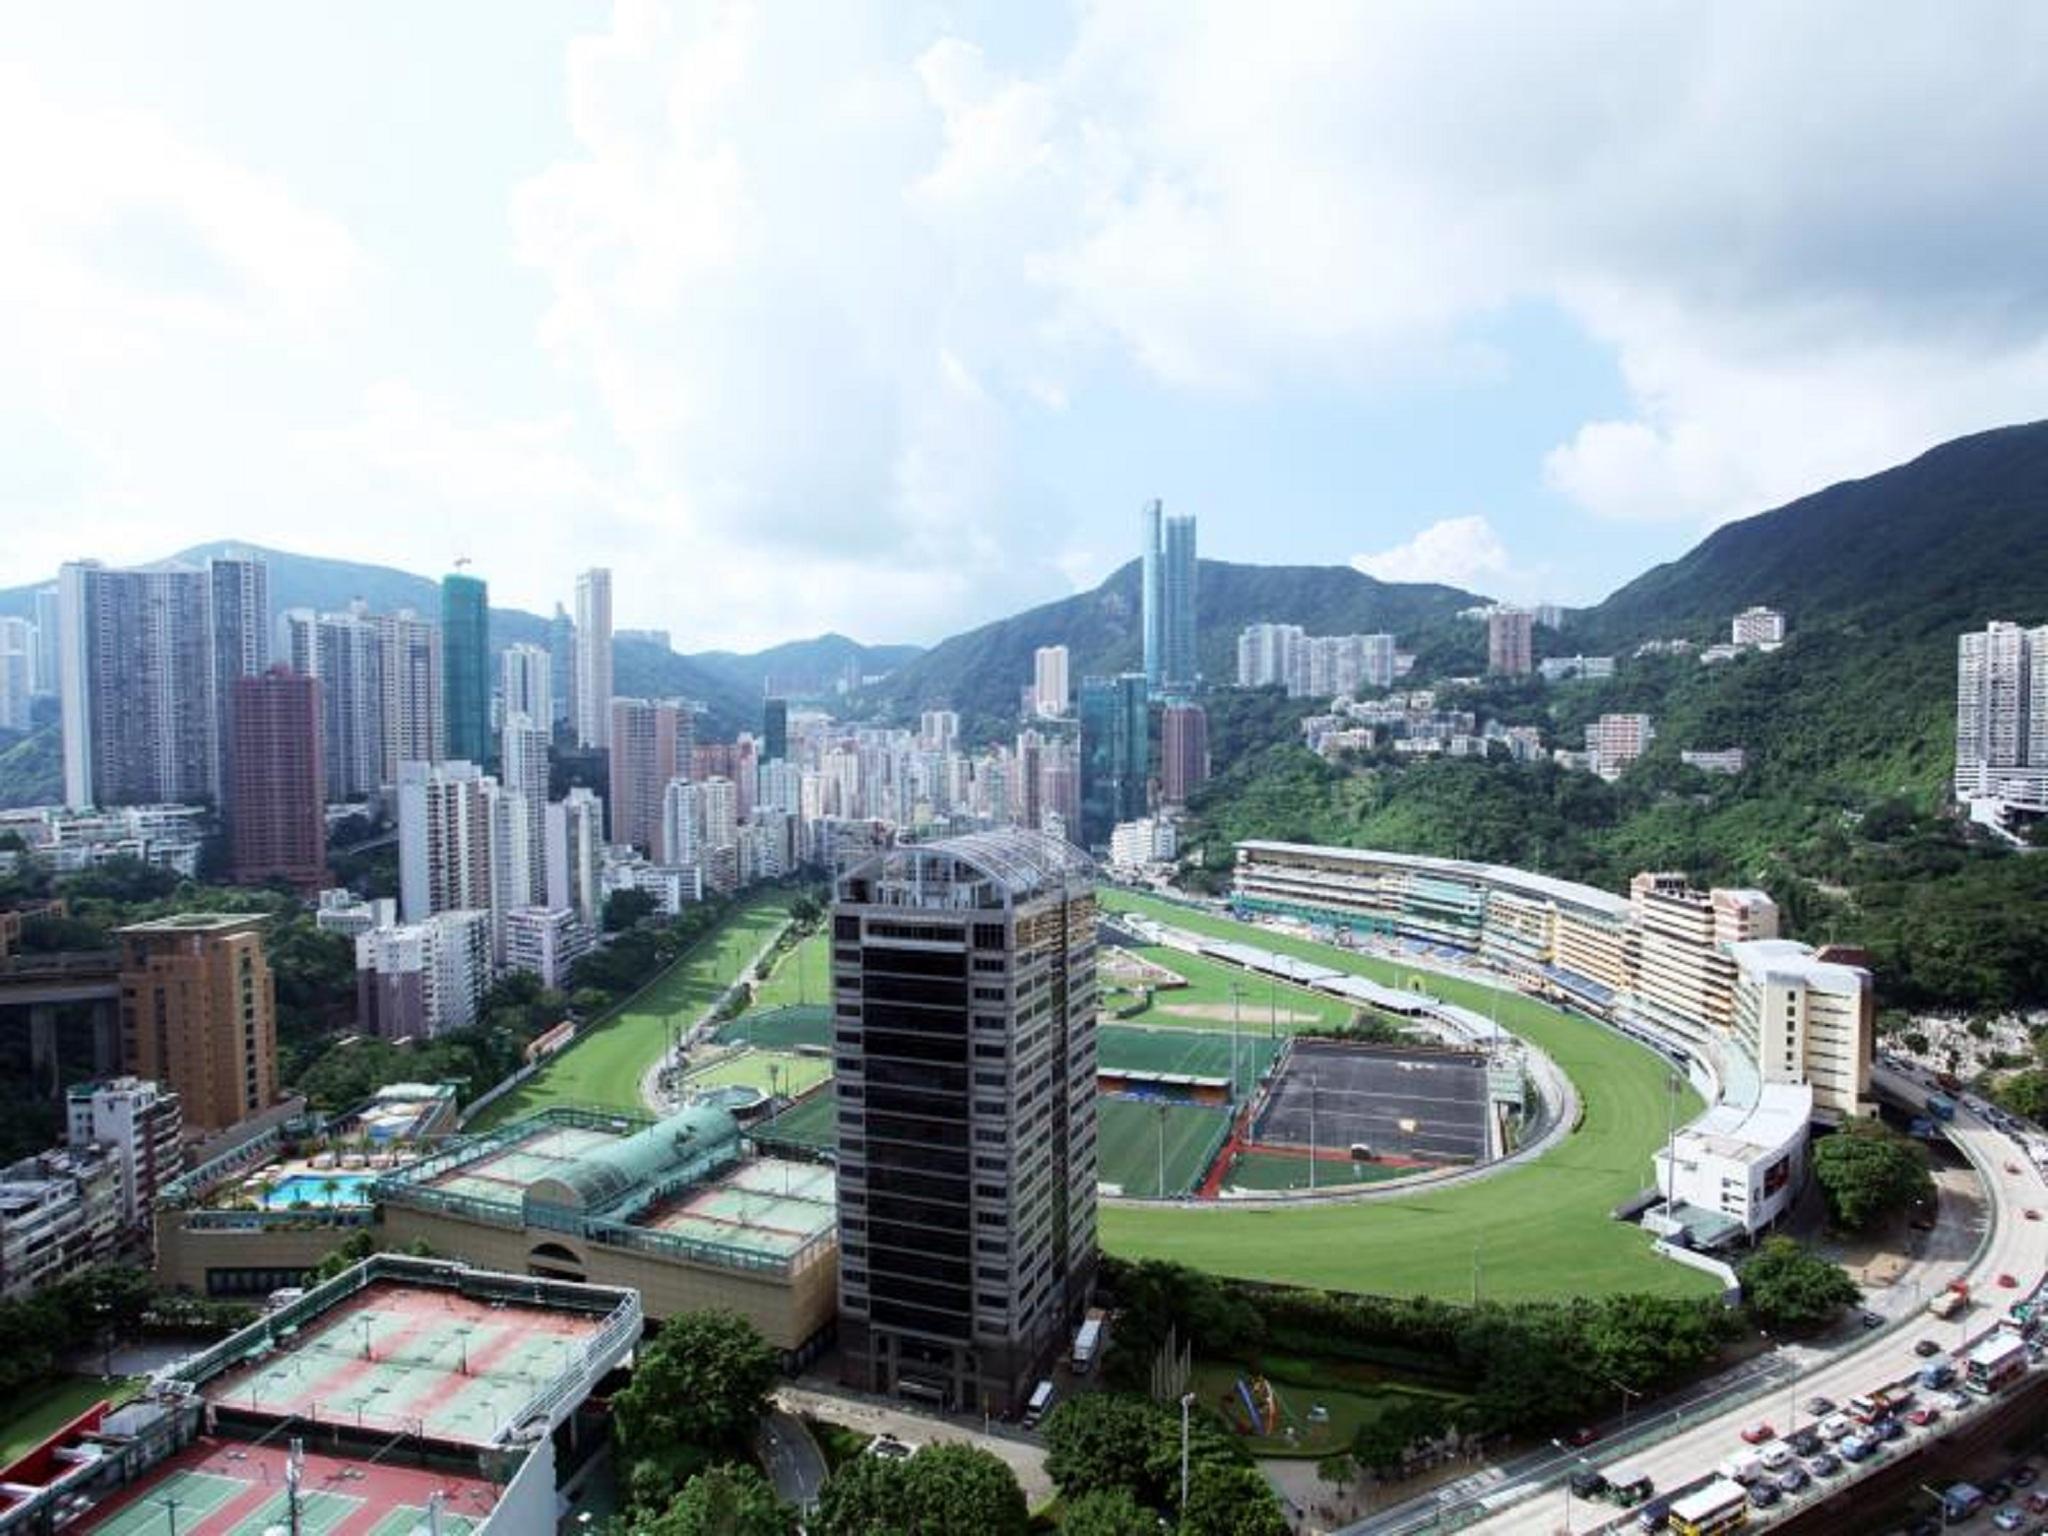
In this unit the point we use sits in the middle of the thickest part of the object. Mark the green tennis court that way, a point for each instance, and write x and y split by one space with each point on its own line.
411 1520
194 1495
319 1513
1135 1136
1193 1052
780 1029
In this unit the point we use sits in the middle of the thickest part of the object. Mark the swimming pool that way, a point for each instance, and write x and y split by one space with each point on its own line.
319 1189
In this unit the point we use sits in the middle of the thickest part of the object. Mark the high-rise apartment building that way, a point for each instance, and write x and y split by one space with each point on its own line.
774 730
1271 655
718 813
345 651
1805 1018
545 942
682 825
562 666
49 642
1049 686
1510 642
1761 628
1152 589
1183 752
466 667
594 658
523 772
138 686
17 673
2002 716
574 836
199 1014
964 1066
1180 668
1615 740
417 980
650 742
141 1124
527 685
277 821
415 725
1115 754
444 839
238 622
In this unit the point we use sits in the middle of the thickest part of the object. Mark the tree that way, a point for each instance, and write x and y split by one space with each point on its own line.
1102 1440
699 1387
1231 1499
1108 1512
2024 1093
1338 1469
1789 1290
944 1490
868 1494
346 1254
726 1500
622 909
1867 1172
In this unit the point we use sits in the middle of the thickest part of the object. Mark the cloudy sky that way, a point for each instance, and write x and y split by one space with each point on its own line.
887 318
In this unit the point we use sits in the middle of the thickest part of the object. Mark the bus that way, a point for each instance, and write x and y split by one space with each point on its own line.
1998 1360
1720 1506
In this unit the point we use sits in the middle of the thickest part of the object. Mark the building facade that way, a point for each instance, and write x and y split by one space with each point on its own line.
1180 664
1183 752
444 839
199 1014
345 651
1116 722
238 636
466 667
18 662
277 822
964 998
140 1125
2002 717
594 658
527 686
1510 642
651 743
409 678
1050 697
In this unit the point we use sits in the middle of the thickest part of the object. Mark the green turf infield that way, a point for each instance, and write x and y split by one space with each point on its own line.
1128 1144
807 1123
1190 1052
1538 1230
780 1029
1277 1172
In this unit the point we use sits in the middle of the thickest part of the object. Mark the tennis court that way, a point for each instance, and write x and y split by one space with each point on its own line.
220 1487
1135 1136
780 1029
1193 1052
810 1122
504 1176
452 1367
770 1205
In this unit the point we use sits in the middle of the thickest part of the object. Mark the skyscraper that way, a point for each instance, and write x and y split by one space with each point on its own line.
138 699
466 667
650 744
523 756
594 658
1049 687
409 672
2002 716
1510 642
444 839
1273 654
527 685
1180 670
562 666
575 847
1152 590
238 598
17 673
199 1014
965 1078
277 821
1183 752
775 730
345 651
49 642
1115 754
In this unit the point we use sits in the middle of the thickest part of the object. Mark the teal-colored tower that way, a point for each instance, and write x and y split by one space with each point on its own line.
1116 753
466 666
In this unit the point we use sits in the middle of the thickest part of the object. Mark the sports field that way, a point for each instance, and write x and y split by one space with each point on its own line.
607 1062
769 1071
802 974
780 1028
1192 1052
810 1123
1539 1230
1205 1002
1128 1144
1281 1171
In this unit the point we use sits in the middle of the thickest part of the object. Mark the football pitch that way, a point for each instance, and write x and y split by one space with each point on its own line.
809 1123
1190 1052
1135 1138
1540 1230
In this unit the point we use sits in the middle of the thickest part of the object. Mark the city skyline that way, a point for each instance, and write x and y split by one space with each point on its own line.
593 354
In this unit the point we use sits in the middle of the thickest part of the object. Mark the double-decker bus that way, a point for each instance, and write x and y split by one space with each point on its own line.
1720 1506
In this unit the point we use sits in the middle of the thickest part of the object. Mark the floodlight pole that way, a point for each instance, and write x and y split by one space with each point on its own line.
1314 1084
1187 1400
1162 1152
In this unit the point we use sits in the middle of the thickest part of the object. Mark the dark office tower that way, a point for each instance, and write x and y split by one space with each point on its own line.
963 977
466 667
1115 754
1180 666
1183 752
775 731
277 820
238 592
562 666
1152 591
136 682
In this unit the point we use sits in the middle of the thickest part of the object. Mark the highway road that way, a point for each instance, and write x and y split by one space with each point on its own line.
1682 1453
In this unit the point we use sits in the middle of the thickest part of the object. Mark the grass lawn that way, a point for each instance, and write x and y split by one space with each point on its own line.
1207 997
809 1124
1193 1052
607 1062
793 1074
38 1412
1276 1170
801 975
779 1029
1539 1230
1128 1150
1344 1408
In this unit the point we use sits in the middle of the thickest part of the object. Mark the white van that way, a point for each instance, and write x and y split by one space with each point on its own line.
1036 1407
1775 1457
1744 1467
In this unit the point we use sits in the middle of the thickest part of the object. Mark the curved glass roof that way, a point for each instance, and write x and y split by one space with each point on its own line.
1016 861
665 1150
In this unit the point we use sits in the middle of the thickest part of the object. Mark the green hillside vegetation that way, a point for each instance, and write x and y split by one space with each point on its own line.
1849 731
32 767
979 673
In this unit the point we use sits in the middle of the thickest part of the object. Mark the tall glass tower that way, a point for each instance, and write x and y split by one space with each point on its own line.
466 667
1152 592
1180 666
1116 753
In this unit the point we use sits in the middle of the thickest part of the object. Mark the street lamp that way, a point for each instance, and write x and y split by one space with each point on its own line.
1187 1401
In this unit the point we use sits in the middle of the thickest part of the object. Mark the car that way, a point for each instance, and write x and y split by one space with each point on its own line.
1758 1433
1805 1441
1927 1349
1891 1429
1835 1426
1792 1479
2037 1502
1858 1447
2008 1282
1926 1525
2013 1169
1826 1464
1776 1457
1584 1435
1820 1407
1588 1485
1920 1418
889 1448
1764 1495
2023 1476
1870 1319
1997 1491
2031 1214
2010 1518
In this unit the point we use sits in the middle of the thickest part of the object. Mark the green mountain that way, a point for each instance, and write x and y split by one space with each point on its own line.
981 673
805 669
1849 731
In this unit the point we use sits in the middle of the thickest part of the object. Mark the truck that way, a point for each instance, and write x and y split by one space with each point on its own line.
1088 1340
1950 1301
1996 1361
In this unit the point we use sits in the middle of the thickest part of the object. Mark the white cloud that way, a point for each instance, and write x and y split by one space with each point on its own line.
1455 551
